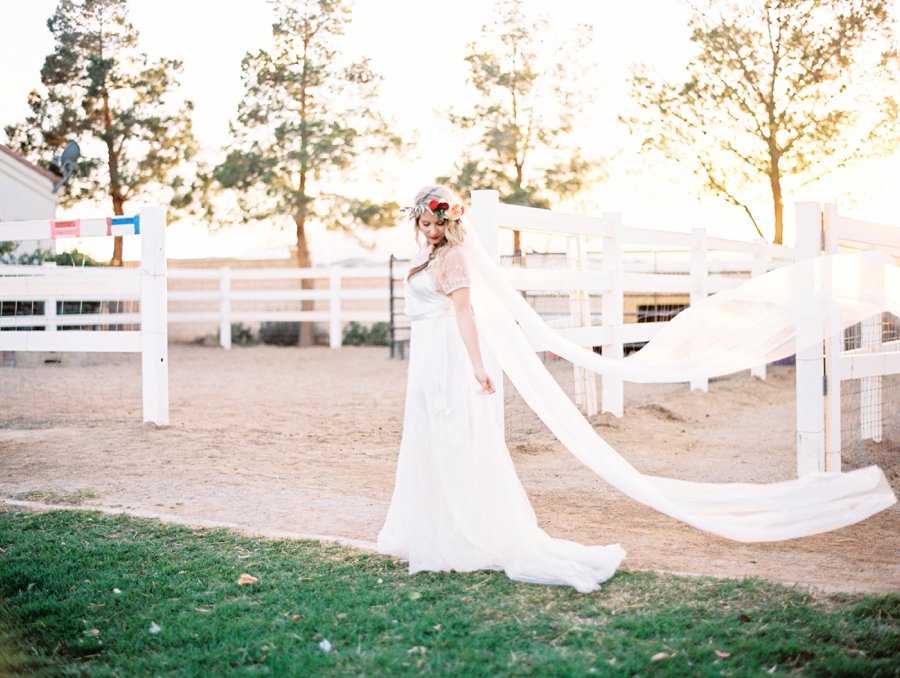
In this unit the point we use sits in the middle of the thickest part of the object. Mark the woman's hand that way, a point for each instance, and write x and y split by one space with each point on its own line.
487 384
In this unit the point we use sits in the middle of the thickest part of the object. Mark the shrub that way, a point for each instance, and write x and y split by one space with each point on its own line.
280 333
242 335
356 334
378 334
40 256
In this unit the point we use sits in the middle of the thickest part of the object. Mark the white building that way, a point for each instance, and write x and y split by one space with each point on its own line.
26 193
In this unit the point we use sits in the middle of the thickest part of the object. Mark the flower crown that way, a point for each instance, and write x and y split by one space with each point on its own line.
441 210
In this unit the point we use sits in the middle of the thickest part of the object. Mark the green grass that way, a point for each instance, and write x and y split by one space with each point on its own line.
79 592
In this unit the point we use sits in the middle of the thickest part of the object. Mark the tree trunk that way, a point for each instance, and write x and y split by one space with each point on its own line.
307 335
778 205
115 184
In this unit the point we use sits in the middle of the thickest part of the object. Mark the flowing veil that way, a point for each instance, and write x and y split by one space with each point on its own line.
758 322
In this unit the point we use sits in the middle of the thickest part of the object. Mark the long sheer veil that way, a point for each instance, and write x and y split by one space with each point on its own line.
758 322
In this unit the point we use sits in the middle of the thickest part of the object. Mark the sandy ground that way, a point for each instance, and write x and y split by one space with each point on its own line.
304 441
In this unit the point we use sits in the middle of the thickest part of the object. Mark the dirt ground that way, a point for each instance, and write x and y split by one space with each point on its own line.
287 441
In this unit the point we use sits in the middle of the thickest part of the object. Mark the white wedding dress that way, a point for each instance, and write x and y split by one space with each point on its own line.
458 503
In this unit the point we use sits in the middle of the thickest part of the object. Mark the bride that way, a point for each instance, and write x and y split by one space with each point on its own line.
457 503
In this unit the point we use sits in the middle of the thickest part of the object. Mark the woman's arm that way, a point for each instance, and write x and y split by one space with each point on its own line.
466 321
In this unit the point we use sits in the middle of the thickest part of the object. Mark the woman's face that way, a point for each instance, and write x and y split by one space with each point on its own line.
431 229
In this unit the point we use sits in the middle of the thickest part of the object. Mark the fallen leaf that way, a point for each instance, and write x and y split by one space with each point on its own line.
437 627
296 617
418 649
94 632
117 592
154 628
743 618
415 595
247 579
773 669
325 645
659 656
722 655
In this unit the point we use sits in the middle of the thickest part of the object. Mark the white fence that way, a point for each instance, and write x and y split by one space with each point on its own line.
335 294
710 265
50 285
822 368
121 286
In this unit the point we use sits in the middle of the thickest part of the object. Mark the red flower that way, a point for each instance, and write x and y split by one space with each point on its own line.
443 206
433 205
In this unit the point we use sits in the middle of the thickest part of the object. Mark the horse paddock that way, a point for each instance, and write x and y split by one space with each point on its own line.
300 442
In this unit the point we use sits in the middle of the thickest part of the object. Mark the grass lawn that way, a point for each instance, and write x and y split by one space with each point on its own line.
82 593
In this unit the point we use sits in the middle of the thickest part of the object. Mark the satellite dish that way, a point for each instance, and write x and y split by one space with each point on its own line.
66 162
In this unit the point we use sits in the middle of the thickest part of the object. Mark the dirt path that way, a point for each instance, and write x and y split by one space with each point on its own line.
305 441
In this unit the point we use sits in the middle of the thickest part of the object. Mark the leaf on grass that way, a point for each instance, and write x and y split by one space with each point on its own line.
247 579
418 649
415 595
659 656
437 627
325 645
743 618
296 617
117 592
722 655
154 628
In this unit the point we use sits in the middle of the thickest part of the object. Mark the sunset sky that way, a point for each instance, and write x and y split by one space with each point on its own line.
418 47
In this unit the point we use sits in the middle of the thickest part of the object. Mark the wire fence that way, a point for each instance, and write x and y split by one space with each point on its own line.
870 408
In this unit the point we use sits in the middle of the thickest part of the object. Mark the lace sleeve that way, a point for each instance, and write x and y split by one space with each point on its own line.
451 272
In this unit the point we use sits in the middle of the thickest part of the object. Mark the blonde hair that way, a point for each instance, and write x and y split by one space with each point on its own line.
454 231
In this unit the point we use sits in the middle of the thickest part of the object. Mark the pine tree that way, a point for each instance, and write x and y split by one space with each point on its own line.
118 103
307 127
530 97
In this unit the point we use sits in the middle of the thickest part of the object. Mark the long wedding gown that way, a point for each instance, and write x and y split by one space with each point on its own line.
458 503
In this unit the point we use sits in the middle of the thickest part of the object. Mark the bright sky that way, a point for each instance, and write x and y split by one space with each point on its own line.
418 47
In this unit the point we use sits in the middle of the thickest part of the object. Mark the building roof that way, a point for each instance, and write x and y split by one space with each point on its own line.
30 165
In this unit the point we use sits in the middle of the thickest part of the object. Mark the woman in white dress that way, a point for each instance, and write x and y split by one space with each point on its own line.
458 504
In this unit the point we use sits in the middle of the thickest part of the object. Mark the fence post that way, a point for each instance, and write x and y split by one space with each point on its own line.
486 223
154 328
334 306
613 314
580 312
699 286
225 307
810 371
50 314
486 220
834 346
758 267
